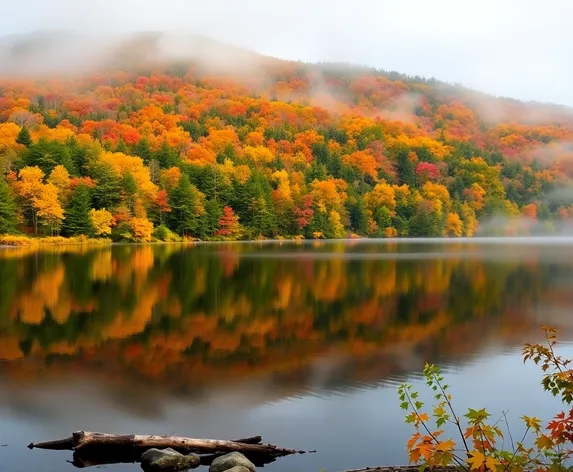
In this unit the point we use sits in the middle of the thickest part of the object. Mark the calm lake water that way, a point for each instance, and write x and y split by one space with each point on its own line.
303 343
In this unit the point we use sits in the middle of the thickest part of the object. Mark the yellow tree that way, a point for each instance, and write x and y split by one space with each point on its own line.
48 208
335 225
382 194
469 219
380 207
102 221
454 225
141 229
60 177
29 185
364 162
258 155
124 164
282 196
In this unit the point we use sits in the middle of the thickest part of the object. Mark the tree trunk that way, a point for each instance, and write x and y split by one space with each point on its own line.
82 440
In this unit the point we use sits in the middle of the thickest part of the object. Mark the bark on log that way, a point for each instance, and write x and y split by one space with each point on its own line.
81 440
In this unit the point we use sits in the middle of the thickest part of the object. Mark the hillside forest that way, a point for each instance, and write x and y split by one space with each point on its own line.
165 151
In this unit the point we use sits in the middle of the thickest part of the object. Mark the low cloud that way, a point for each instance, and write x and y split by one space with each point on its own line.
61 53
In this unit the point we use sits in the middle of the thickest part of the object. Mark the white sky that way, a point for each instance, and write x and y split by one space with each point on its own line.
516 48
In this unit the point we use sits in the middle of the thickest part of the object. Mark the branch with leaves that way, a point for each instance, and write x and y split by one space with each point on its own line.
482 442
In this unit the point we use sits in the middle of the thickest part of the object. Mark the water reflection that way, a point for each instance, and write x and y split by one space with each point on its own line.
147 328
328 314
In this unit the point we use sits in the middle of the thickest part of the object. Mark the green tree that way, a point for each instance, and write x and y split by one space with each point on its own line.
129 187
210 222
143 150
7 209
166 155
184 203
357 213
426 221
262 217
406 170
47 154
24 137
107 193
78 220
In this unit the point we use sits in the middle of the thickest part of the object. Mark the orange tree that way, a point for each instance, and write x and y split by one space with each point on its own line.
481 441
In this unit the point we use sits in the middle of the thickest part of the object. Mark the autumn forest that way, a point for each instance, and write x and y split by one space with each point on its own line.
169 150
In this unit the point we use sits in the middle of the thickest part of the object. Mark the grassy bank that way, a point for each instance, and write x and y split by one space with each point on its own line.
14 240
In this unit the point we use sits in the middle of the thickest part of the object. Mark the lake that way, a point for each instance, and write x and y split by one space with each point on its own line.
304 343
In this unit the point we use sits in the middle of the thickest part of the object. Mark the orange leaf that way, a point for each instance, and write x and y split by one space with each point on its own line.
447 445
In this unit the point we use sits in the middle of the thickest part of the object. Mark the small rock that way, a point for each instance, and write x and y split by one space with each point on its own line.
235 462
167 459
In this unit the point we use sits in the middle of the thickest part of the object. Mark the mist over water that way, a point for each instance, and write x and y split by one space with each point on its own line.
302 342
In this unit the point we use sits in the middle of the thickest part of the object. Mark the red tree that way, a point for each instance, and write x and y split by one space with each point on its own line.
228 224
427 171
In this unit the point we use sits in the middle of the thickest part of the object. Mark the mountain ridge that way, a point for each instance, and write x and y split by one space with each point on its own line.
249 146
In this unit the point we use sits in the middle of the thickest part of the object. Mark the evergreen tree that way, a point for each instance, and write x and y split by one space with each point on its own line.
406 171
107 193
253 203
78 158
320 152
121 147
7 209
77 213
47 154
425 222
166 155
357 213
316 171
211 181
129 187
143 150
183 200
262 217
210 221
24 137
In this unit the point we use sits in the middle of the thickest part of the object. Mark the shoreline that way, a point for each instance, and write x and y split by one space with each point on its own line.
15 241
10 241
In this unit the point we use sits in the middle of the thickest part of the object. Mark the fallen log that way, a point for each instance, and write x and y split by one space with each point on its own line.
81 440
92 457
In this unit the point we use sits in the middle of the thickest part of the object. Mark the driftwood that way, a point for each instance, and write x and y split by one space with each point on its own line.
90 457
82 441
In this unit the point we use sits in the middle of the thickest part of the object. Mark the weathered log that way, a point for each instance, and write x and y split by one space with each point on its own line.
251 440
81 440
127 455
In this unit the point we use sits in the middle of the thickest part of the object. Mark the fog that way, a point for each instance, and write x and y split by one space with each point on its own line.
69 52
514 48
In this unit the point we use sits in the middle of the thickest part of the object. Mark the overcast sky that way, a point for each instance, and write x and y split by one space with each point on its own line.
516 48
